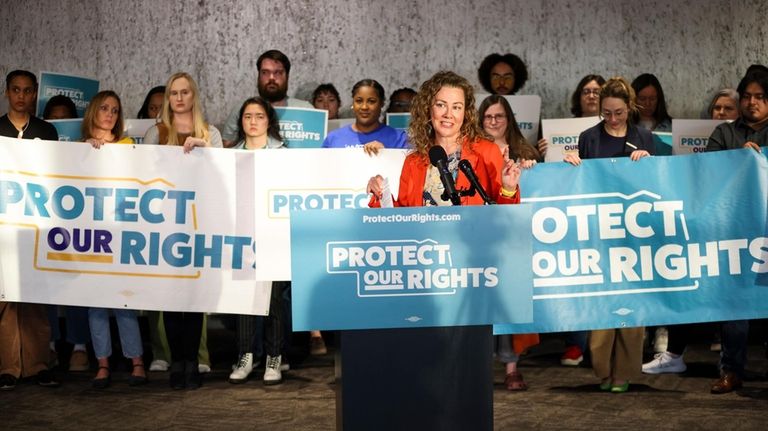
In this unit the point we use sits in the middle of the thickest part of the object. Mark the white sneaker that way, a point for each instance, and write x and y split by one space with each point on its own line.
203 368
272 374
243 369
158 365
665 363
660 340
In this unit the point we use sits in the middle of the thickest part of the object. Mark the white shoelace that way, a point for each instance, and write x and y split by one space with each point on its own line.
273 362
243 361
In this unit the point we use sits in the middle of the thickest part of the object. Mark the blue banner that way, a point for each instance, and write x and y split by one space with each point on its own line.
664 240
68 130
663 143
80 90
411 267
398 120
302 127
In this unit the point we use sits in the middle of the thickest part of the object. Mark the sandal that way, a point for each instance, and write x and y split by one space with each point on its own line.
514 382
135 380
102 383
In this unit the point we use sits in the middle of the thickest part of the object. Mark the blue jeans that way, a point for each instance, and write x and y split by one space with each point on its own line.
733 356
127 324
77 323
504 350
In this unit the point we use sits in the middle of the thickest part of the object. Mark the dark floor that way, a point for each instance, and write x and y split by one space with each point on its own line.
559 398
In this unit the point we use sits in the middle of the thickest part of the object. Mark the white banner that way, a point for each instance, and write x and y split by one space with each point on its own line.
563 135
692 136
309 179
136 128
138 227
339 123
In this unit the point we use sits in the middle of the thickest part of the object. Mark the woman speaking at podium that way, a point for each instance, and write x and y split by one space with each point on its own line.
443 115
452 365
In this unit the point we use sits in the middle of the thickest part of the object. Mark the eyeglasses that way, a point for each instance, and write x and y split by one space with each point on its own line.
594 92
507 77
494 117
616 114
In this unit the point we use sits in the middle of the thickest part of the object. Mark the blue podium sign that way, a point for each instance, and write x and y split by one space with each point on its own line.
411 267
399 120
302 127
664 240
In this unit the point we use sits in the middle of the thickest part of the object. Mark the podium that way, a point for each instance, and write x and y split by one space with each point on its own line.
414 292
416 379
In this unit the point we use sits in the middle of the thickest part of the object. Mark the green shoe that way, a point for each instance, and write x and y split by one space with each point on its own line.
620 389
606 385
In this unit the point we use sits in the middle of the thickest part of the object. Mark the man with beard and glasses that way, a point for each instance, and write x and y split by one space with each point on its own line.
274 69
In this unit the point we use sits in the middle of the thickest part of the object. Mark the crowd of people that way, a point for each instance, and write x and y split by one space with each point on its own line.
443 115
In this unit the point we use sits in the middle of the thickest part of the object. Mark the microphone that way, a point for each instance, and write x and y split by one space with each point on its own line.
439 159
465 167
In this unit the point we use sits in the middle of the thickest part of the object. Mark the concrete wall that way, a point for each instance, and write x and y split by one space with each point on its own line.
694 47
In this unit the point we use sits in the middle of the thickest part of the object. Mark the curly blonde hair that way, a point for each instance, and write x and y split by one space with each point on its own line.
421 133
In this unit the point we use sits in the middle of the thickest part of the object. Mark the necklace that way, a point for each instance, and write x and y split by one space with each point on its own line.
23 129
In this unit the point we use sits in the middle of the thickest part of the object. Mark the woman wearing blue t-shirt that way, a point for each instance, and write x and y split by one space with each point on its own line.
367 103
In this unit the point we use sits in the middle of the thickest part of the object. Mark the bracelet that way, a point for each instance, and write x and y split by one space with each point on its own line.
506 193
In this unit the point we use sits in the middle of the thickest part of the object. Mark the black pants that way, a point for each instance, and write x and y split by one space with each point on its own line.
183 330
275 323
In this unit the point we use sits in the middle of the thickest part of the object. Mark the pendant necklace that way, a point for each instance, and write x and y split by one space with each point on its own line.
21 132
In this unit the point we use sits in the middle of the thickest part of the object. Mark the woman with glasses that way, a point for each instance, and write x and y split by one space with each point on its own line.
724 105
498 121
502 74
616 353
584 103
103 123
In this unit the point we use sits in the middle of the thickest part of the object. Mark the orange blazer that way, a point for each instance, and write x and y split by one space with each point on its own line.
486 160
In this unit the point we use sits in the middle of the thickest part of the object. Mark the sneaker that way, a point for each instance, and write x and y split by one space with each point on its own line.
317 346
660 340
45 378
572 356
203 368
158 365
7 382
272 374
243 369
665 363
79 361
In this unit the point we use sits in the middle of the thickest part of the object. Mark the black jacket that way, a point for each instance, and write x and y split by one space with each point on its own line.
589 142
